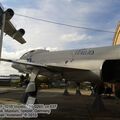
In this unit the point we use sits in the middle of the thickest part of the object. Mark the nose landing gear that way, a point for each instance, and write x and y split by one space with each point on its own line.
30 96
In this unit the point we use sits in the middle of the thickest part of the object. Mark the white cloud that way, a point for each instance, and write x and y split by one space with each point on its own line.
5 69
38 34
74 37
45 35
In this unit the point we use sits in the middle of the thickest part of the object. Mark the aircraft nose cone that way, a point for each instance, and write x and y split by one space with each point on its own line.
15 65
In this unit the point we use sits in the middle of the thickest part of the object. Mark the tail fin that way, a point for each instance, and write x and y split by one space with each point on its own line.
116 38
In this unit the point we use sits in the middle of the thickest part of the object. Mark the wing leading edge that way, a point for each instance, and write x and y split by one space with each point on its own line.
45 66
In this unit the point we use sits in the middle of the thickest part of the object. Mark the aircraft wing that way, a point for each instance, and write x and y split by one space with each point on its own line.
12 32
45 66
22 62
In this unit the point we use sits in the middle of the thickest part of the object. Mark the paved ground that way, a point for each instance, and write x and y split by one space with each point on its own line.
69 107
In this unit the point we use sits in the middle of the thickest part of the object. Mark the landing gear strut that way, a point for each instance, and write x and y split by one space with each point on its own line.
78 89
31 90
66 88
98 104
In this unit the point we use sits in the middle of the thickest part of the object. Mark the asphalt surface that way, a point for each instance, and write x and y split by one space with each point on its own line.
70 107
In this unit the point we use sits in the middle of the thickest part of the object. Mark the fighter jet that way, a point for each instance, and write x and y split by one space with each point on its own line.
91 64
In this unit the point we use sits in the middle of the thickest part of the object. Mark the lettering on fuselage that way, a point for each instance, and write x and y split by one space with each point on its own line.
84 52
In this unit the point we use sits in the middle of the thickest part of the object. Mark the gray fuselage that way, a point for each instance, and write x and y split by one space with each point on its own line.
81 64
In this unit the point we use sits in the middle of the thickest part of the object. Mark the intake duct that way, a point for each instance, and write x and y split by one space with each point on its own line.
111 71
9 14
19 33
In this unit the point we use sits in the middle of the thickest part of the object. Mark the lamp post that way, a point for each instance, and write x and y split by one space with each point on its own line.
2 26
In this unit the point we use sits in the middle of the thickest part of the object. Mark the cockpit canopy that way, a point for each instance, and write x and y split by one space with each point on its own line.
28 54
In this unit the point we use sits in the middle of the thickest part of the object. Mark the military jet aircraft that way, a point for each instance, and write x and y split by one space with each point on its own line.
91 64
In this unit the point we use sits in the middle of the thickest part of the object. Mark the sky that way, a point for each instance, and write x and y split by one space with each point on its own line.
98 14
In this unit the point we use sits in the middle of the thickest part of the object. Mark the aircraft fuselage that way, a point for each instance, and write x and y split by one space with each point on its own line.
77 60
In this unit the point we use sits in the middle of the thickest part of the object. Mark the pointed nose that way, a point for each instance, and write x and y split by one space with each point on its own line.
18 67
15 65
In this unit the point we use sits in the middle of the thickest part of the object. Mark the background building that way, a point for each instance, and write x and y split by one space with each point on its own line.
6 80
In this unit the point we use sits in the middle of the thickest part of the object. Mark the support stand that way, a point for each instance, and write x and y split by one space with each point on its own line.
98 104
78 89
66 88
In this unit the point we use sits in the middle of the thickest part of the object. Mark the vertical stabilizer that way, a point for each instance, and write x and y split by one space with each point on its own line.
116 39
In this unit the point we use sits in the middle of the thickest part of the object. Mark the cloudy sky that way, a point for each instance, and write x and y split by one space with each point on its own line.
98 14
